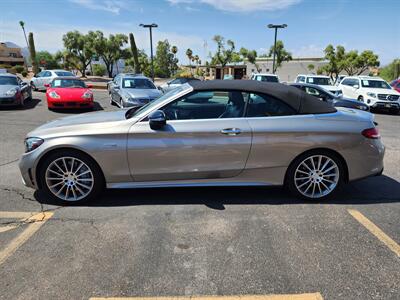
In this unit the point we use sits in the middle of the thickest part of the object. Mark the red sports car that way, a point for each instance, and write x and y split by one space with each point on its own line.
68 92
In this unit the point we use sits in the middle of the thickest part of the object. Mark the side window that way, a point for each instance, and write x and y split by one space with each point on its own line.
262 105
302 79
346 82
207 105
354 82
40 74
47 74
312 91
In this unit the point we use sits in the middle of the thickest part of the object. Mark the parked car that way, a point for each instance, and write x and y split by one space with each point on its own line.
45 77
69 92
325 95
339 79
321 80
174 83
395 84
241 133
266 77
373 91
132 90
13 91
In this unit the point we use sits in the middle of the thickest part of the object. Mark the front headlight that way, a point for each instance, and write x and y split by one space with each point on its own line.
87 95
373 95
53 94
11 92
132 100
32 143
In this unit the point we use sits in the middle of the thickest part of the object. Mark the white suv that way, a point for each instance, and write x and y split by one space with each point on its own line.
46 76
266 77
321 80
373 91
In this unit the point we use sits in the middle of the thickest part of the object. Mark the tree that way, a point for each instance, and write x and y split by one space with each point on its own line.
310 67
335 58
80 47
223 55
164 60
391 71
281 54
47 60
250 56
189 54
32 52
109 49
22 24
356 64
174 50
65 59
135 54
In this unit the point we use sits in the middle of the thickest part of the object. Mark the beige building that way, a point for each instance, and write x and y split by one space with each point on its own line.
10 56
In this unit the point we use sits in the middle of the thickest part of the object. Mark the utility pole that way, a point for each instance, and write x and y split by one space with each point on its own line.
151 26
276 33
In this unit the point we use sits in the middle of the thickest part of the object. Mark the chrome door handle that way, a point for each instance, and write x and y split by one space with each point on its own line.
231 131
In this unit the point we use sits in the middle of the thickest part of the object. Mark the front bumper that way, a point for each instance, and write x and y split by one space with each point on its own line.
383 104
69 104
10 101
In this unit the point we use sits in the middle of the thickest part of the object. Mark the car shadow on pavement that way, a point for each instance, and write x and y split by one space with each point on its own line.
96 107
29 104
372 190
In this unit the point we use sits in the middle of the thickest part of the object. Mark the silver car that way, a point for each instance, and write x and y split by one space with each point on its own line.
174 83
39 81
206 133
13 91
128 90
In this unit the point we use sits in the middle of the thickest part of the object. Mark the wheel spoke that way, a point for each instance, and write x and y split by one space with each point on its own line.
307 167
54 185
330 181
54 172
300 171
65 165
302 178
332 167
312 162
80 166
304 183
319 162
72 164
62 171
73 191
85 179
66 193
84 173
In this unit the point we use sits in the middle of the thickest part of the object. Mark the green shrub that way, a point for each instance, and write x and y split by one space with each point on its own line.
12 71
99 70
19 69
24 73
5 66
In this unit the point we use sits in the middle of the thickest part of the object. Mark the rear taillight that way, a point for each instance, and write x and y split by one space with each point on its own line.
371 133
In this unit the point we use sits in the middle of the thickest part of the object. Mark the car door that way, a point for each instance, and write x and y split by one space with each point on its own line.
36 80
44 79
115 89
345 87
206 137
279 135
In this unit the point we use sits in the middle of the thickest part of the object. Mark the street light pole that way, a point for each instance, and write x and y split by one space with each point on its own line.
276 33
151 26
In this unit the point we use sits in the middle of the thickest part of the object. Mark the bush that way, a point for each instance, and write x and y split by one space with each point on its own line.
24 73
99 70
19 69
12 71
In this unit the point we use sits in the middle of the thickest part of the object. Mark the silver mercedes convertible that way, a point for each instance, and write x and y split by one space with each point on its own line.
206 133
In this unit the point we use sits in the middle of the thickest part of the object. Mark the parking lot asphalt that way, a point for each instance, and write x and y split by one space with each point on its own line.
197 241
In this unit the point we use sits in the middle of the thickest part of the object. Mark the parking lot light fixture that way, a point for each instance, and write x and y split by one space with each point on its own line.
150 26
275 26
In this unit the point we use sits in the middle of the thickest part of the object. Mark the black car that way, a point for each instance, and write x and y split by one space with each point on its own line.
327 96
13 91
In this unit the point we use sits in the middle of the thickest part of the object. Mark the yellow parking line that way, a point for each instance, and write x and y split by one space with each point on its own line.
309 296
14 215
36 221
375 230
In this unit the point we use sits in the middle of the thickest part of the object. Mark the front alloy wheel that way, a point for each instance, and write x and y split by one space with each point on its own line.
315 176
71 177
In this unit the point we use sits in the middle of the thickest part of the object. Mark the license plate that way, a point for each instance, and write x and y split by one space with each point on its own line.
387 105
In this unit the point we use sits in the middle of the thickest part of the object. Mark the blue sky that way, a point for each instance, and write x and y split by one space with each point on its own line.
312 24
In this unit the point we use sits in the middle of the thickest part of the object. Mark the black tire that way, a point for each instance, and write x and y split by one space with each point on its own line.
33 87
290 174
361 99
98 178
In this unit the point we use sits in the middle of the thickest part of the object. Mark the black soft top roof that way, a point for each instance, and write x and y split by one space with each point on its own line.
294 97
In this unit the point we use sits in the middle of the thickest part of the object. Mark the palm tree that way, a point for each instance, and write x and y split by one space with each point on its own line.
174 50
189 54
22 24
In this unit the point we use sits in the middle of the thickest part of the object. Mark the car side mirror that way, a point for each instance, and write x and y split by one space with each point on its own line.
157 120
47 85
356 86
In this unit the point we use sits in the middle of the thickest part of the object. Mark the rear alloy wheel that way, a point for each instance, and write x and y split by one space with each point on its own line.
71 177
315 175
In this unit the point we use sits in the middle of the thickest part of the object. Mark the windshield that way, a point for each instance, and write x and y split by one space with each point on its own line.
4 80
135 112
137 83
269 78
319 80
64 73
375 84
68 83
